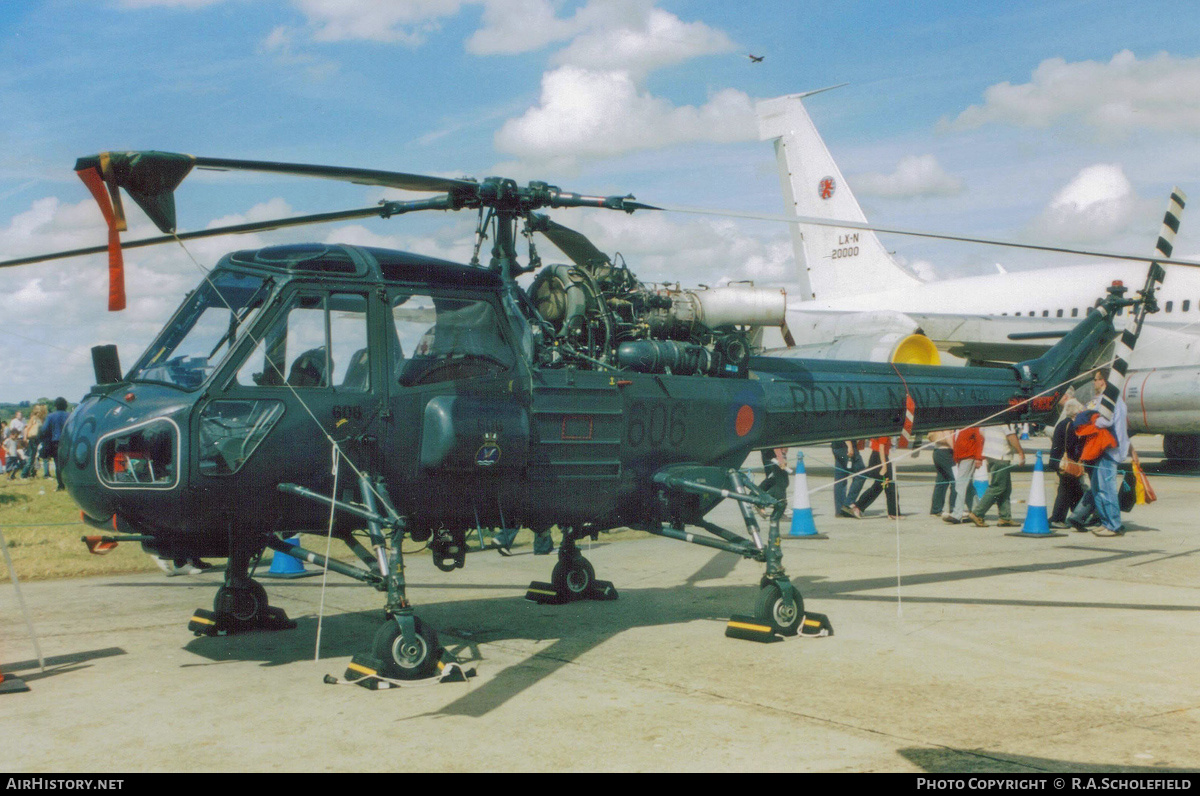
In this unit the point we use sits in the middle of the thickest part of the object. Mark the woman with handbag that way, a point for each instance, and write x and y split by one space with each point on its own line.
1065 450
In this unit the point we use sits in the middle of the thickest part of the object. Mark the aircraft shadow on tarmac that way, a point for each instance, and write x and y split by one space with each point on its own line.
60 664
955 761
579 627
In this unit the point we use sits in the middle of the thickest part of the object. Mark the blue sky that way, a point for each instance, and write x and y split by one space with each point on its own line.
1049 121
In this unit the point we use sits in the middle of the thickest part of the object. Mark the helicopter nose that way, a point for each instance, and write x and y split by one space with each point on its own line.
143 455
110 456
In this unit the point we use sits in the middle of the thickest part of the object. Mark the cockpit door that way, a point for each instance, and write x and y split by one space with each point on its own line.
309 380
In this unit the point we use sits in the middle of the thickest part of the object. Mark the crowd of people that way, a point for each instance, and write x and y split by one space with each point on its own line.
26 441
1086 449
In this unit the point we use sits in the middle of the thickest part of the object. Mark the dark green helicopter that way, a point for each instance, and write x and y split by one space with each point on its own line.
312 387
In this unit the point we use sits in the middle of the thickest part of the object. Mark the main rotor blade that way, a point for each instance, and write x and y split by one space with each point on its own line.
235 229
824 222
384 179
151 177
575 245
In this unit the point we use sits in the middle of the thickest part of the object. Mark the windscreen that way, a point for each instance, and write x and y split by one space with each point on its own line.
203 330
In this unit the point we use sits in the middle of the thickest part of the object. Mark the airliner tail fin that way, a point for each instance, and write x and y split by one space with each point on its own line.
831 262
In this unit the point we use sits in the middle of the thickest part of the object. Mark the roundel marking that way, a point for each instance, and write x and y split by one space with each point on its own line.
744 421
826 187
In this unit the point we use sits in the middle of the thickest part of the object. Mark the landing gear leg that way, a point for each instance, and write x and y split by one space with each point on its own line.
404 646
779 609
241 603
779 603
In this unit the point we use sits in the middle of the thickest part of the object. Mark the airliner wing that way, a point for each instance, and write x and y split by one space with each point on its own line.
975 338
991 338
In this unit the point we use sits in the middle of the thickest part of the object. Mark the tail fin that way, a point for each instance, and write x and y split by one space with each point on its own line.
831 262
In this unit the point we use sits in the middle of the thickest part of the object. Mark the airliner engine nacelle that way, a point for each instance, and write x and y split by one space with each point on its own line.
906 349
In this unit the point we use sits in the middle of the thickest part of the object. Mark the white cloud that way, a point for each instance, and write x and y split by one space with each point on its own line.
921 269
62 304
1096 206
659 248
393 22
630 35
281 42
511 27
263 211
649 40
1125 94
455 245
49 225
594 104
586 114
915 175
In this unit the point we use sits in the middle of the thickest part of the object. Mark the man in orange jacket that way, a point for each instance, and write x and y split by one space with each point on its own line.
1103 494
968 453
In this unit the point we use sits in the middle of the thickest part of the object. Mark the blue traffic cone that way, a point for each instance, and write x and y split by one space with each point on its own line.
802 516
285 566
1037 523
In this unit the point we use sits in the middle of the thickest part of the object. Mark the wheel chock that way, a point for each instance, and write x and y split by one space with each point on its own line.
815 626
363 670
750 628
12 685
601 590
544 594
210 623
207 623
275 619
451 671
272 619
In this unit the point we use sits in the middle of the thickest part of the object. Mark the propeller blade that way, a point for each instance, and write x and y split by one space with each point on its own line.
575 245
824 222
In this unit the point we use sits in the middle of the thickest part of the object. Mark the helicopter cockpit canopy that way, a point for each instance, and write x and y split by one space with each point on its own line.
203 330
447 337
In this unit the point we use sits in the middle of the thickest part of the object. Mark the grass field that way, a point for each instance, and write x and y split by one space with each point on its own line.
42 530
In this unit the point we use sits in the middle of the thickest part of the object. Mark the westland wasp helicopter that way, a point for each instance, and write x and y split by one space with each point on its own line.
335 388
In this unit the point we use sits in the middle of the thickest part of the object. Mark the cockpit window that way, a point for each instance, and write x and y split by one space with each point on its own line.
445 338
319 341
203 330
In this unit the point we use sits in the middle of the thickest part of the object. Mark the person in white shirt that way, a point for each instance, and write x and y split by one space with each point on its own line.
999 445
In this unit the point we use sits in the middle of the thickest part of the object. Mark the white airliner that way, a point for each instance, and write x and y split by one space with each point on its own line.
859 304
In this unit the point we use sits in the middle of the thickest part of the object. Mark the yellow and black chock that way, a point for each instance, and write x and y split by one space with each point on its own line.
364 670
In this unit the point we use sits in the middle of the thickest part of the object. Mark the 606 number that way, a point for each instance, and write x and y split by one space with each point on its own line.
656 424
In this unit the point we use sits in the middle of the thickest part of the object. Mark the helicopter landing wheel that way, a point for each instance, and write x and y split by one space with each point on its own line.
413 661
772 609
246 608
243 605
573 578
